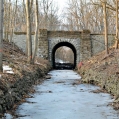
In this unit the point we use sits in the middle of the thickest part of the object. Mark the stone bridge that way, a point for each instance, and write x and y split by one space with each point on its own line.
83 43
78 41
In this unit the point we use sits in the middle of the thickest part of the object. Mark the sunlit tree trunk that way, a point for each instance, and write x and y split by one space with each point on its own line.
29 39
6 19
105 27
13 12
117 29
36 30
11 21
24 10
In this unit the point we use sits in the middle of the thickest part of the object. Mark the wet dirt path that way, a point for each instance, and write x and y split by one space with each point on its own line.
60 98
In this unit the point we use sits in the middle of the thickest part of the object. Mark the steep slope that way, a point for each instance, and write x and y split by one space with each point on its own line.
103 70
18 76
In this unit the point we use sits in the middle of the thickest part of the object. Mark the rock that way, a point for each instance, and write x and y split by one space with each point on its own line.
1 93
48 77
2 100
50 91
1 109
3 86
13 93
17 99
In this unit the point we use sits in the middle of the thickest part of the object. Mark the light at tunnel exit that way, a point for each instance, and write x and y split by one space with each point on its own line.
64 55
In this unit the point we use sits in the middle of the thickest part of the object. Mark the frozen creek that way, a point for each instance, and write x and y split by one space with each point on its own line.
57 98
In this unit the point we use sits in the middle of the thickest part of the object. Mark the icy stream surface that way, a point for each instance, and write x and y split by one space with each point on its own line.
57 98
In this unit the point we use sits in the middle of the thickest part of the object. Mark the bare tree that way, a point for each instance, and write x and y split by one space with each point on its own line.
48 15
6 19
29 39
105 26
12 18
36 31
117 24
86 14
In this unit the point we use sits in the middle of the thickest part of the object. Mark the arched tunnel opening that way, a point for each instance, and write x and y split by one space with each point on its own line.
64 63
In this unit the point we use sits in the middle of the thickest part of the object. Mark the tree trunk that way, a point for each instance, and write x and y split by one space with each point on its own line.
24 13
105 26
6 19
11 22
29 40
1 33
36 31
117 29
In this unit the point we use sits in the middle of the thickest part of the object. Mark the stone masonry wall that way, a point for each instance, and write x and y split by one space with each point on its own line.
97 41
43 44
56 37
86 44
20 40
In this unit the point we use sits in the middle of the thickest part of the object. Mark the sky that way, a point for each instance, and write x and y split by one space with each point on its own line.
61 4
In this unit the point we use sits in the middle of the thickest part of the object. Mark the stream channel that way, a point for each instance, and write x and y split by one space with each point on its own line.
60 98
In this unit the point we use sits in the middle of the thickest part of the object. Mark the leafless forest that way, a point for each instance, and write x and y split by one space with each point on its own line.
78 15
99 16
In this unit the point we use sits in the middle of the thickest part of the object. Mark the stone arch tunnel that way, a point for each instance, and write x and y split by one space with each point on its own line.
55 43
85 43
60 45
78 41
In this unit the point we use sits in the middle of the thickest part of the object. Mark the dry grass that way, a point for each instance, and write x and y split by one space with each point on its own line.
17 60
101 62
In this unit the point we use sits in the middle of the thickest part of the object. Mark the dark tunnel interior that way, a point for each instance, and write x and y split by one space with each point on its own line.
64 65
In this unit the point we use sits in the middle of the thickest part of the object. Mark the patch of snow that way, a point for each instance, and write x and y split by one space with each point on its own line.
10 72
7 69
7 116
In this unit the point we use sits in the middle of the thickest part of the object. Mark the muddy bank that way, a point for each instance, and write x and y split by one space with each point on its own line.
108 83
12 93
111 83
103 70
17 80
